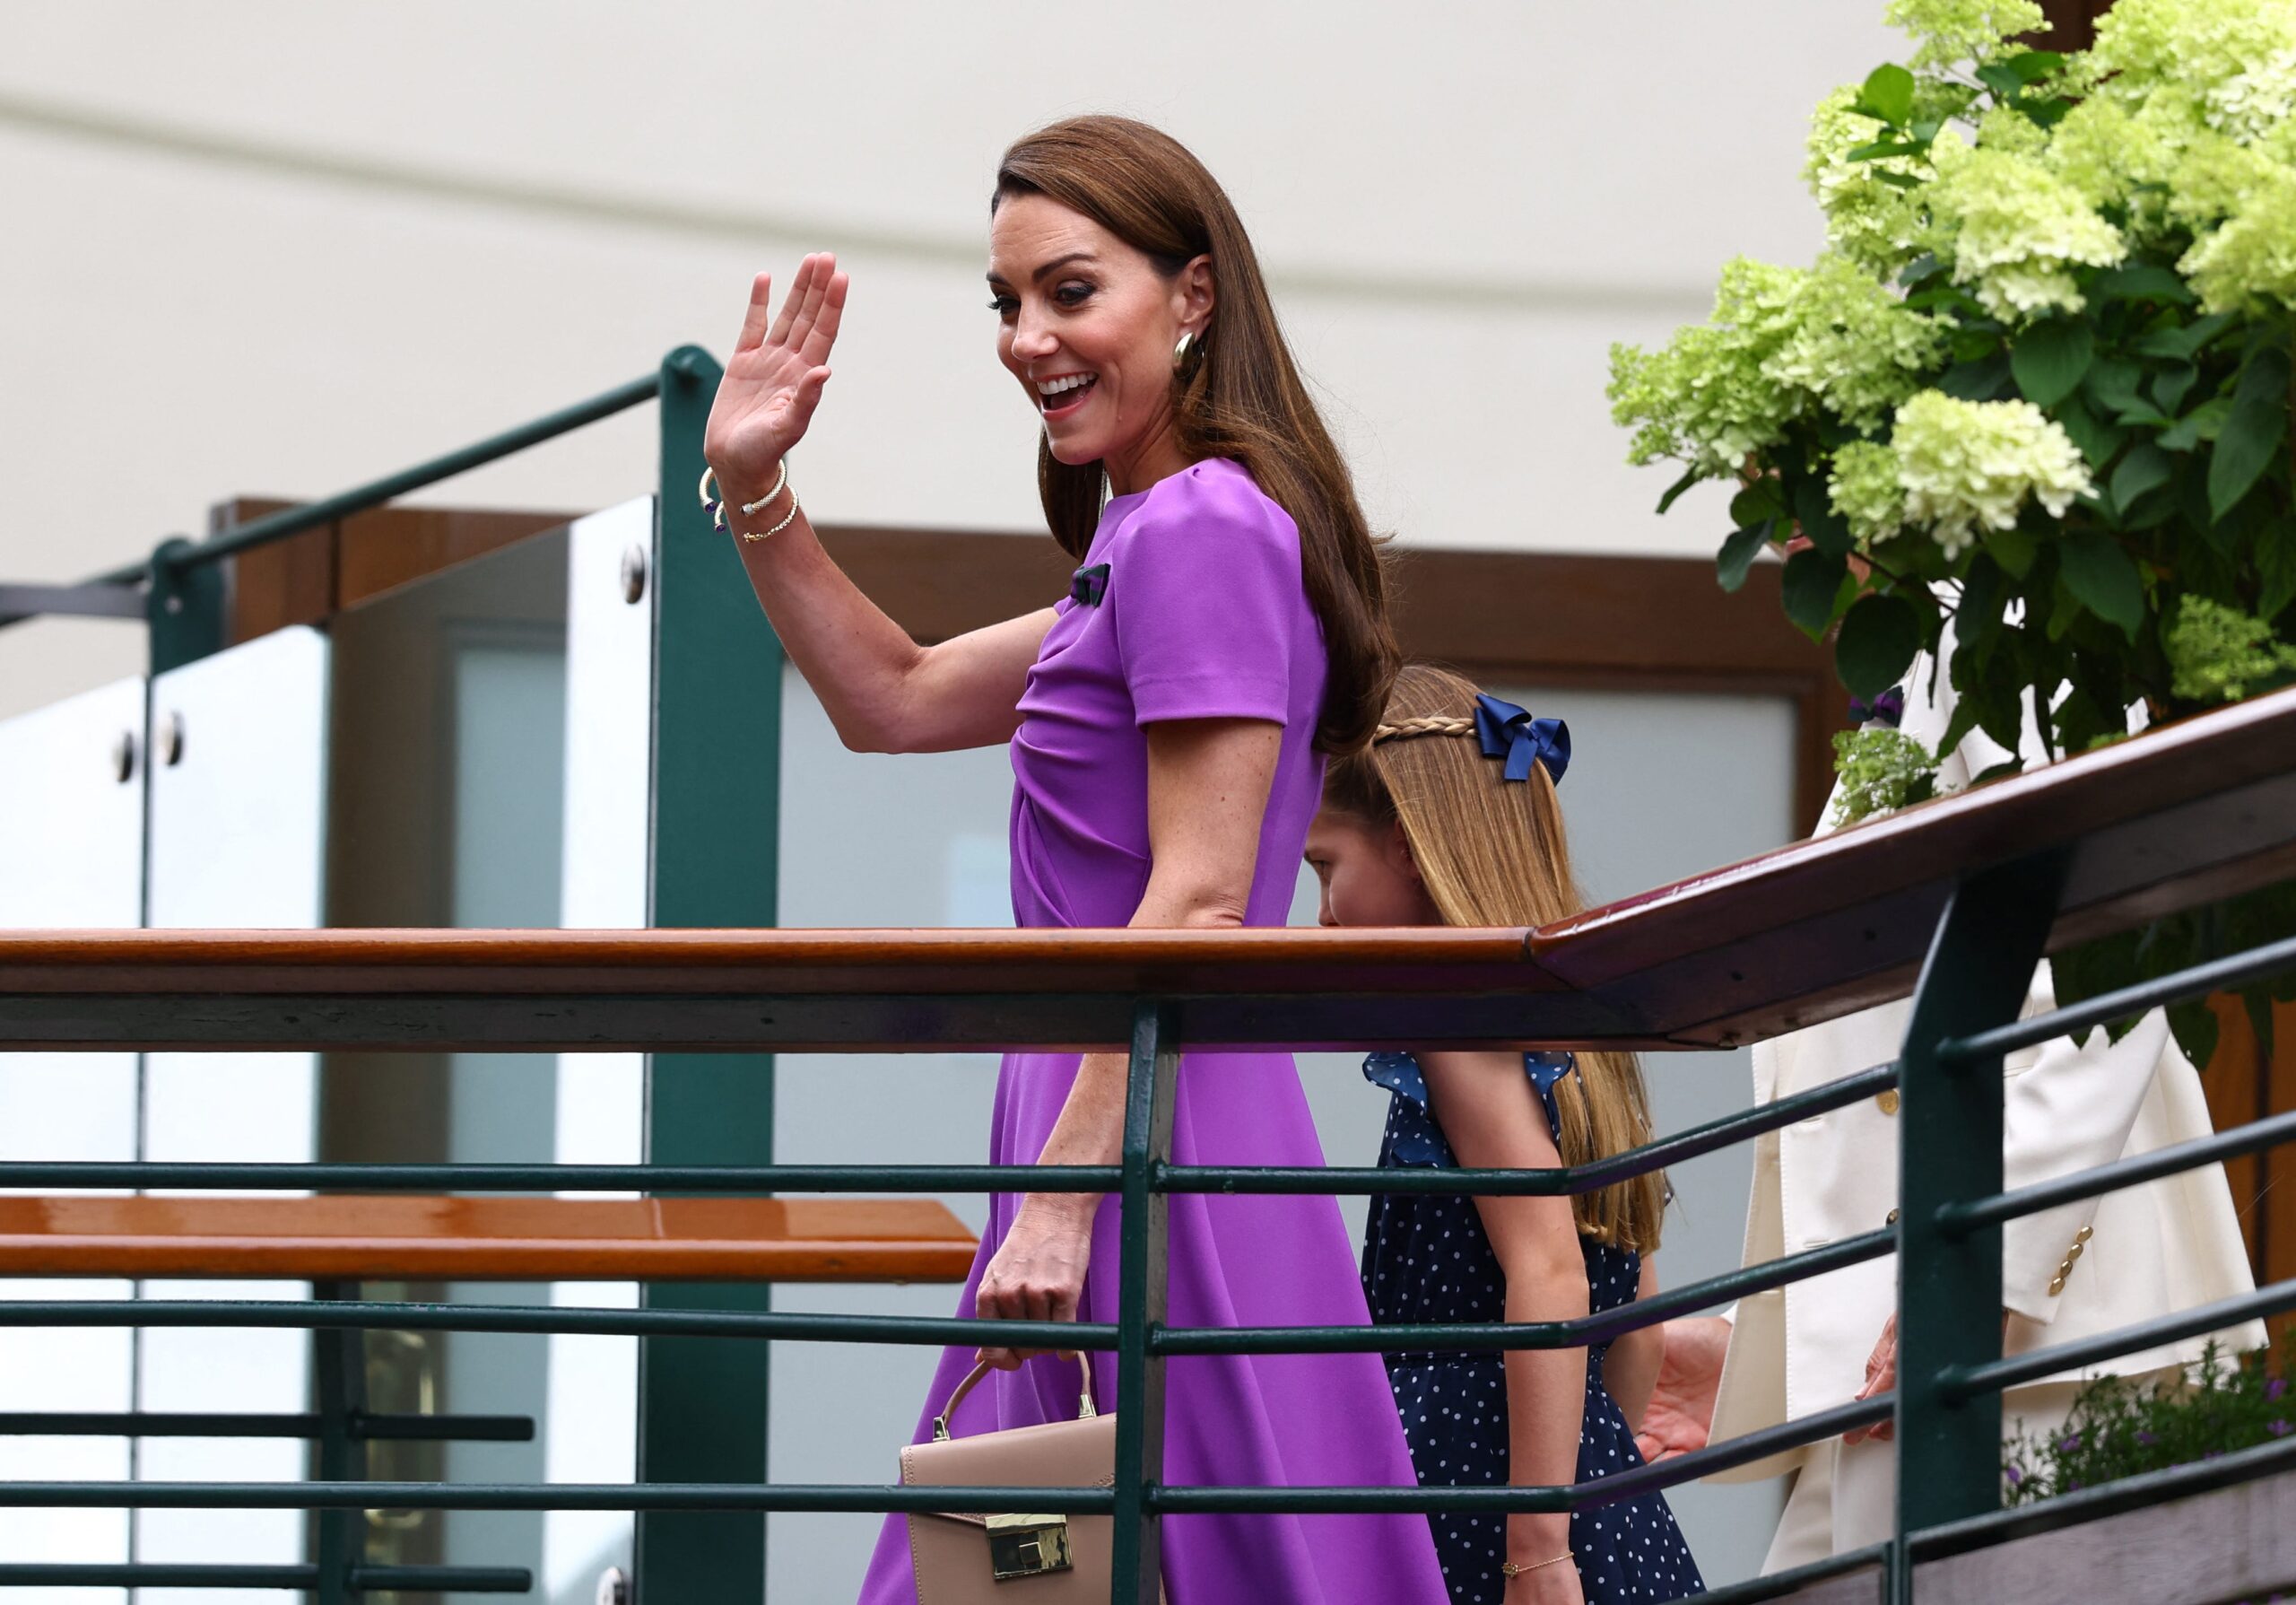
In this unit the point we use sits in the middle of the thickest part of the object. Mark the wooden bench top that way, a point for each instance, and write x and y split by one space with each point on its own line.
2183 814
403 1238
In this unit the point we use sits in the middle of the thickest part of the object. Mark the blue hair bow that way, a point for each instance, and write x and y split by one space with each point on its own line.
1510 732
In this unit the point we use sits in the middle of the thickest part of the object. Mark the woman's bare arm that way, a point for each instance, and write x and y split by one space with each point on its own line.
1630 1369
1208 783
883 691
1491 1116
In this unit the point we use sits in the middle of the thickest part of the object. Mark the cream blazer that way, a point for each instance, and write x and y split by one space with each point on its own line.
2066 1273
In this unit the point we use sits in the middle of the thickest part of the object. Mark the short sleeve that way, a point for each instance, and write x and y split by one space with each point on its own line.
1205 588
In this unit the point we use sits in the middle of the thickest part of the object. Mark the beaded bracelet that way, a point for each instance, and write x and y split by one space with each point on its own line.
716 508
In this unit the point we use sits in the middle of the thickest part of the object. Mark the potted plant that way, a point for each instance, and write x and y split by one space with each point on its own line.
2029 411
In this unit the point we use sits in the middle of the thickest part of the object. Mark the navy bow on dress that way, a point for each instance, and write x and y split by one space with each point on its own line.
1510 732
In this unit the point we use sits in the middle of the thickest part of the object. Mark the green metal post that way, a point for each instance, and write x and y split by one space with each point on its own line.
185 607
717 789
1979 966
1150 1086
339 1387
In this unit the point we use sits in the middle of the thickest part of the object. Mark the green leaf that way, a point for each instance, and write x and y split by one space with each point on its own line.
1943 295
2048 112
2145 467
2097 441
1812 582
2255 434
2034 65
2276 567
1674 491
1881 148
2195 1027
2051 359
1739 552
2013 549
1923 266
1998 77
1982 379
1755 502
2141 281
2104 578
1888 94
1827 531
2112 384
1879 638
2203 422
1896 180
2183 342
2172 384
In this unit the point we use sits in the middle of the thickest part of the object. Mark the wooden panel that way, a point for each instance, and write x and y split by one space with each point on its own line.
487 1239
288 582
2187 813
387 548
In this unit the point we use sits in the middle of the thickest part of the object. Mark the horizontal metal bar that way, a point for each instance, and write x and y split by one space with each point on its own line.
1959 1220
331 1315
756 1179
1480 1336
90 600
2215 976
1741 1451
1779 1586
867 1497
474 1580
382 1427
310 515
1564 1181
1965 1382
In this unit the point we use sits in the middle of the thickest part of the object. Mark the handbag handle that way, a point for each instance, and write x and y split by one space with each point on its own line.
1086 1408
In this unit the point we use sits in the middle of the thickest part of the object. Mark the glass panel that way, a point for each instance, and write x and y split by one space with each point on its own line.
590 1426
236 840
71 854
447 809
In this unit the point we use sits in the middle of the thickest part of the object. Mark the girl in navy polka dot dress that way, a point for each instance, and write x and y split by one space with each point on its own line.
1450 817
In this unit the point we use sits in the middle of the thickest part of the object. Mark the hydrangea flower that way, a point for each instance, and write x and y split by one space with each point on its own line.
1951 31
2248 261
2238 56
2013 230
1968 465
1865 490
1881 771
1783 342
1868 220
2215 652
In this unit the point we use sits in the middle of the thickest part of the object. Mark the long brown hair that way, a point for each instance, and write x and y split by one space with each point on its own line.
1491 851
1243 399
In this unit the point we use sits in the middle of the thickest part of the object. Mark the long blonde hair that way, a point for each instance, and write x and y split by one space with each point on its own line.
1491 851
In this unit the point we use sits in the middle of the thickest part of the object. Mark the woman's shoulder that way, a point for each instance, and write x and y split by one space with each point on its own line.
1217 498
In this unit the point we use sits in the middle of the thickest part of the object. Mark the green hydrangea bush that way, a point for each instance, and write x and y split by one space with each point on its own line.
2029 411
2124 1428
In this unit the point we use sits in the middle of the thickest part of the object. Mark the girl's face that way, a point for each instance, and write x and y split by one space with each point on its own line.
1087 324
1367 874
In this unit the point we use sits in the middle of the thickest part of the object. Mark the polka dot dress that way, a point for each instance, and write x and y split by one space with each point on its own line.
1425 1259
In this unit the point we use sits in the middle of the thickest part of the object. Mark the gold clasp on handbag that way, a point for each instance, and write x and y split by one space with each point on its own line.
1027 1546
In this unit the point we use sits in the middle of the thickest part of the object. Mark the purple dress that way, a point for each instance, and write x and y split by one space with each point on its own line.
1196 610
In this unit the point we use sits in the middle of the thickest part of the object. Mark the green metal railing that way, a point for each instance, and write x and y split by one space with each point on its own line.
709 1133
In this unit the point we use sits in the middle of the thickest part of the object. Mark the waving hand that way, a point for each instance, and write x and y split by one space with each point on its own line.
774 380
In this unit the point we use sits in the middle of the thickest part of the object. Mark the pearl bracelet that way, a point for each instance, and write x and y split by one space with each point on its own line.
715 509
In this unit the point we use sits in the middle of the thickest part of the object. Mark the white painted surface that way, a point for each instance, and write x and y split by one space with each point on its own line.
237 839
71 854
392 230
590 1427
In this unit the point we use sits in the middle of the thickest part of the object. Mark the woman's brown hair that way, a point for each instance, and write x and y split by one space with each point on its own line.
1243 398
1491 851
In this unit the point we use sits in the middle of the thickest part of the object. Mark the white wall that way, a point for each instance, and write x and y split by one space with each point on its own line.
255 248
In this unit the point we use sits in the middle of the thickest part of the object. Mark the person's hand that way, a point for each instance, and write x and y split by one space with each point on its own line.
1556 1584
1681 1413
1038 1271
774 378
1880 1377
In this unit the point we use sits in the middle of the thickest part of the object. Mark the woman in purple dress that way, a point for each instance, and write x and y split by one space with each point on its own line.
1168 719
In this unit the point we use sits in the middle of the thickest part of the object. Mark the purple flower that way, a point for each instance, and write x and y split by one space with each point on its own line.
2016 1475
2145 1438
2275 1388
2069 1444
2279 1430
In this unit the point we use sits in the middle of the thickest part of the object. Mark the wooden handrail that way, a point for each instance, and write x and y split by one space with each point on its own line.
2182 816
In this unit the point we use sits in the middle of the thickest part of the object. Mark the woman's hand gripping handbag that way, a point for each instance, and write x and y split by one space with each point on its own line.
1027 1557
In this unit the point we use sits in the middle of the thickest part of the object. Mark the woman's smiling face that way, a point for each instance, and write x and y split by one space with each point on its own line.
1087 324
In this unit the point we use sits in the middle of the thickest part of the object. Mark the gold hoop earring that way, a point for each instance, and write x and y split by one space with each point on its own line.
1185 349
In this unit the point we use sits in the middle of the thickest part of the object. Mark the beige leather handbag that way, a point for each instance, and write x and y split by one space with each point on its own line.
1025 1557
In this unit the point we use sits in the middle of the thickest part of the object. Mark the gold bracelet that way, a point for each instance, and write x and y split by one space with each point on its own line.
787 520
1508 1569
751 508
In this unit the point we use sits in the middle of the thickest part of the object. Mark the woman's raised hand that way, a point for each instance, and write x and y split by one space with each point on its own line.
774 380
